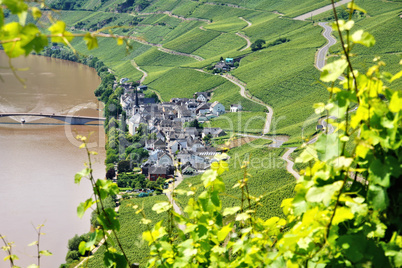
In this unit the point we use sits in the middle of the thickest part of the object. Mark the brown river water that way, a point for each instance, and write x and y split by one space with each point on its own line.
38 160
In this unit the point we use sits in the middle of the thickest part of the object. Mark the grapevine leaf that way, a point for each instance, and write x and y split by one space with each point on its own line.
396 76
342 214
91 41
377 197
353 6
395 104
328 146
114 259
58 31
83 173
12 31
230 211
45 253
83 206
363 38
332 71
161 207
34 243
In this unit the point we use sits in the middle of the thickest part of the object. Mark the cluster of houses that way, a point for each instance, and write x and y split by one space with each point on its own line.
172 140
225 65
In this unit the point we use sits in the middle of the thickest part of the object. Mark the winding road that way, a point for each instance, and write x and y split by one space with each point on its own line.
323 51
320 10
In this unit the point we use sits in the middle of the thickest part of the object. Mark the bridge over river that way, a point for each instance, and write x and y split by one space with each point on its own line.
70 119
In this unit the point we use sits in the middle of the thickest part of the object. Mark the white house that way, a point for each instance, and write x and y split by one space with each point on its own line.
217 108
135 122
234 108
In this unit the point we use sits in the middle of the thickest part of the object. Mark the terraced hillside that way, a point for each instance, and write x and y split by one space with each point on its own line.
172 39
175 43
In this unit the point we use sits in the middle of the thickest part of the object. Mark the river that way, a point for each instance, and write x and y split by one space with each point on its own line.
38 160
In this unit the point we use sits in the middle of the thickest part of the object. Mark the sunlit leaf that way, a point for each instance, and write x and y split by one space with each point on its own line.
333 70
363 38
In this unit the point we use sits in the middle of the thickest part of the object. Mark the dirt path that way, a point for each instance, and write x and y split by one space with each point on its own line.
145 74
247 40
159 46
248 22
170 14
246 95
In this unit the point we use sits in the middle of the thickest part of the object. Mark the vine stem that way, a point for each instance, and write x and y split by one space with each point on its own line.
102 207
343 44
8 248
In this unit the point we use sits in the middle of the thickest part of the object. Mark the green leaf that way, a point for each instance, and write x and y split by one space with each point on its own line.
224 231
34 243
36 13
1 18
363 38
395 105
82 248
59 30
90 41
242 217
15 6
379 173
328 146
108 219
83 206
33 266
396 76
45 253
323 194
83 173
231 211
32 39
162 207
342 214
11 257
114 259
332 71
377 197
353 6
12 31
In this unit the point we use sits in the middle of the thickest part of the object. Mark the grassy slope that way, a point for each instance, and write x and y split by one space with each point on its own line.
248 122
130 234
228 94
284 77
184 83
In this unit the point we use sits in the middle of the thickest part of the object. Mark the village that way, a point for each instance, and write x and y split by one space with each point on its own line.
177 135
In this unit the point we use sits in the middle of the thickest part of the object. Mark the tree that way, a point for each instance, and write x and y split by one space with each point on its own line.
124 166
111 173
257 45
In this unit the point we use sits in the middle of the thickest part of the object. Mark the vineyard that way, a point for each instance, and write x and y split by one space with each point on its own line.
130 234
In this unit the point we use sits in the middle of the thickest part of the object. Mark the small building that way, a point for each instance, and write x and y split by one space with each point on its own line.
202 96
214 132
217 108
188 170
229 61
142 88
135 122
203 109
222 66
164 159
155 172
234 108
